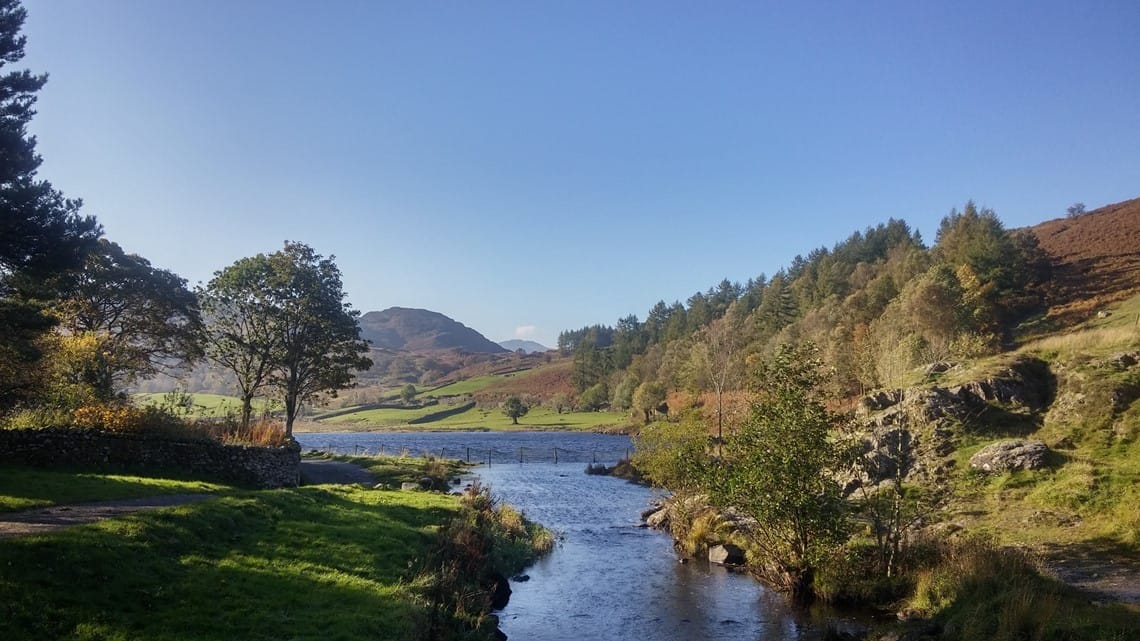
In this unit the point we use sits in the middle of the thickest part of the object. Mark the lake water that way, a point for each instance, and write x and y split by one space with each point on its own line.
608 578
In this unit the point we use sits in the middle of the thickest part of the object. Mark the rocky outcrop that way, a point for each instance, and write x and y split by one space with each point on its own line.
1009 455
910 432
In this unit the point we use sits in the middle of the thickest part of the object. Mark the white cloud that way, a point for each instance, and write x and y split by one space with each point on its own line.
526 331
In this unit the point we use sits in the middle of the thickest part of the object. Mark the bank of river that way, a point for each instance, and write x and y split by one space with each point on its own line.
609 578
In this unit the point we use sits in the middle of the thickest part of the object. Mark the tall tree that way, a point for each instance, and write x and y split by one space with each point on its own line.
717 359
280 320
42 234
240 312
143 319
320 344
779 468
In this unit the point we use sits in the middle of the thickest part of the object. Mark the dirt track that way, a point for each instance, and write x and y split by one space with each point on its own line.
57 517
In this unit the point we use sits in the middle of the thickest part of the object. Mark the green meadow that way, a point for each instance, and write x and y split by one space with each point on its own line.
320 562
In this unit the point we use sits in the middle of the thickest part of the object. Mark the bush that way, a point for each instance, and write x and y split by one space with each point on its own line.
483 545
36 418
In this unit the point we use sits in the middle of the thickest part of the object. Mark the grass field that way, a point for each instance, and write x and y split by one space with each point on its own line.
468 386
383 417
25 488
210 405
539 418
323 562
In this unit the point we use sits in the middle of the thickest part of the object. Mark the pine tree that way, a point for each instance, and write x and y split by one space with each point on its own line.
42 234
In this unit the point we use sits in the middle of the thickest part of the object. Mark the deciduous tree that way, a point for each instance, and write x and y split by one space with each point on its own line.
320 346
648 397
281 321
240 312
515 409
143 319
778 469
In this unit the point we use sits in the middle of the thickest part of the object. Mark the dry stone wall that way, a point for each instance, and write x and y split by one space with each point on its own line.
261 467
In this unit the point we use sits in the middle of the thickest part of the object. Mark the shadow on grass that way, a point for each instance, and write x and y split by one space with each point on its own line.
311 563
25 487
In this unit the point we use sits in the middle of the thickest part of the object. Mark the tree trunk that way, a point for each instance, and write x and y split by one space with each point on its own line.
290 414
246 410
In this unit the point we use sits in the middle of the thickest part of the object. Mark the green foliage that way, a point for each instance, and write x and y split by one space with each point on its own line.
593 364
648 397
408 393
43 236
561 401
141 320
777 469
515 409
281 320
674 454
622 397
478 549
593 398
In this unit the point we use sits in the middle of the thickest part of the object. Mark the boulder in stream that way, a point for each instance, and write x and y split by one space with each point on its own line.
726 554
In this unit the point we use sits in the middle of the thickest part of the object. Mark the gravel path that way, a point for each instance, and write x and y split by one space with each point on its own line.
1110 579
318 472
57 517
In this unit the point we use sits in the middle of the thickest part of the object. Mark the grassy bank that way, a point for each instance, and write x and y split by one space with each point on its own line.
321 562
25 488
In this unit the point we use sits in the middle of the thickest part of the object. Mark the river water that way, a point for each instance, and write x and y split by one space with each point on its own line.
608 578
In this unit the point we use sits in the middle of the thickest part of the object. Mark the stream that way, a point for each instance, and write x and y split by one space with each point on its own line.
608 578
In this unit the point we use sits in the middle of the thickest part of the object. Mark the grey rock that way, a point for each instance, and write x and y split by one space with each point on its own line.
1014 454
726 554
409 486
659 520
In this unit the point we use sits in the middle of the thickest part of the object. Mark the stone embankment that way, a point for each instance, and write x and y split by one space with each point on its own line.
252 466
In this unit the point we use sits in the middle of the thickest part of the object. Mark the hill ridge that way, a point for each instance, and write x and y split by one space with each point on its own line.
417 330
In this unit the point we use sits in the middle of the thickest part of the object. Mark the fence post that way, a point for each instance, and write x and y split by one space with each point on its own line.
489 450
520 455
556 456
595 456
469 455
441 451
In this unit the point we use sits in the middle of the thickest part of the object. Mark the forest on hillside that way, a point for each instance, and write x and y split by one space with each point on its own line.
877 305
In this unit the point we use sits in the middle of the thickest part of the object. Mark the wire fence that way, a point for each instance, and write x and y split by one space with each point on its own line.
491 455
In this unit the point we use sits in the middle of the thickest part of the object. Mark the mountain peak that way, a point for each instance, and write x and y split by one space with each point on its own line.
419 330
530 347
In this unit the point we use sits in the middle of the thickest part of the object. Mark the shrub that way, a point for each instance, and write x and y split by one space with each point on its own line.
37 418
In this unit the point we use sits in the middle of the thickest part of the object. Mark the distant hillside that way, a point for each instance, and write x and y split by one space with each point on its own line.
530 347
420 330
1096 259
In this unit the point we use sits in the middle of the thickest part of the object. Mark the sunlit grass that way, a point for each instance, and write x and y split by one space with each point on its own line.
467 386
205 405
538 418
308 563
24 488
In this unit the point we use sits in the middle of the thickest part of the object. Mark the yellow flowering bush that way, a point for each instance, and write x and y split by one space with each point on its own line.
116 418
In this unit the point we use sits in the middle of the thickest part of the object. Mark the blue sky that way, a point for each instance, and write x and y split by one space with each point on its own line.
529 167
